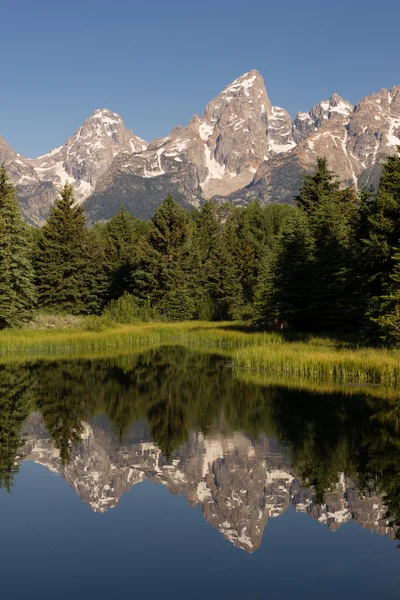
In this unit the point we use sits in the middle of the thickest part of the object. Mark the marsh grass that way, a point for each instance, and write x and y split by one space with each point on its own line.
320 358
310 361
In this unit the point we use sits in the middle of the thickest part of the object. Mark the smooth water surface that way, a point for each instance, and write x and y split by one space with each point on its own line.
168 475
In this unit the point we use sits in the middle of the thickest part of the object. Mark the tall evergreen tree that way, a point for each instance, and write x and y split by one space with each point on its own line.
388 317
163 270
61 257
322 183
258 229
17 291
333 214
335 302
294 273
97 284
383 237
121 236
219 280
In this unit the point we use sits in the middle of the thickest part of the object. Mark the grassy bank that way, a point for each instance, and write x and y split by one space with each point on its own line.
314 359
309 361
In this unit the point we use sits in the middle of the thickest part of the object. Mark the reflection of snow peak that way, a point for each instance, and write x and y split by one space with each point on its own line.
239 484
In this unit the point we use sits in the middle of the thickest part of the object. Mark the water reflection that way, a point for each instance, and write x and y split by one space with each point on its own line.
244 450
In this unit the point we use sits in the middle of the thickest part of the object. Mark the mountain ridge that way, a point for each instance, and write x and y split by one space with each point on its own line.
241 148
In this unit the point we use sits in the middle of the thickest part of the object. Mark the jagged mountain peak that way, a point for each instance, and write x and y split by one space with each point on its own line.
240 147
306 123
243 84
335 105
105 112
88 153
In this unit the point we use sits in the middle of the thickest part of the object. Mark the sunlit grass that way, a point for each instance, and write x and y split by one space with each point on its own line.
316 359
310 361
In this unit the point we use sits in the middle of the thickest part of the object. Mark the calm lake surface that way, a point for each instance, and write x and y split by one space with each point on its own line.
166 474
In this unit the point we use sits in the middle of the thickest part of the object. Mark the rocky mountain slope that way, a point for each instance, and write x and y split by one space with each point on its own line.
216 154
239 484
80 161
355 142
240 149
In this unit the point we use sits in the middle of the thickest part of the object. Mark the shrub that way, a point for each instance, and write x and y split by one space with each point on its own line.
123 310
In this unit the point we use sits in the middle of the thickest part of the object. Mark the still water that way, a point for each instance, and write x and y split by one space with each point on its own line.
168 475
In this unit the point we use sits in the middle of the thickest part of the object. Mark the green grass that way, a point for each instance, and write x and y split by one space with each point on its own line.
315 359
309 361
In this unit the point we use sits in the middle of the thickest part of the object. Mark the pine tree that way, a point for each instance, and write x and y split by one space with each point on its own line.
266 312
258 229
17 291
219 280
121 234
334 295
61 257
389 306
333 215
294 273
171 230
322 184
384 226
96 289
163 271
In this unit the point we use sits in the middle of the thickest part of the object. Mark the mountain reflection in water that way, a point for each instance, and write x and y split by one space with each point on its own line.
243 450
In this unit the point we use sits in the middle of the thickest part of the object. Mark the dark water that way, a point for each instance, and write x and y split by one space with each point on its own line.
168 475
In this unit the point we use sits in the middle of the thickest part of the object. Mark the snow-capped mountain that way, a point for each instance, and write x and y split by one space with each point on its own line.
241 148
88 153
216 154
238 483
355 142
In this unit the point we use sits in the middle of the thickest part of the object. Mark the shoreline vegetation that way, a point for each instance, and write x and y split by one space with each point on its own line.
319 359
261 285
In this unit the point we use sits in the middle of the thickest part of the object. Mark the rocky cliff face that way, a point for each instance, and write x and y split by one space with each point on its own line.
88 153
238 483
355 142
240 149
216 154
35 197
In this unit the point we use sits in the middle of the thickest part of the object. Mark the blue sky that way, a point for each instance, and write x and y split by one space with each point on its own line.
157 62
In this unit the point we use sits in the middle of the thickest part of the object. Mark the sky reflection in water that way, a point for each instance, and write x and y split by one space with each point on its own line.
166 474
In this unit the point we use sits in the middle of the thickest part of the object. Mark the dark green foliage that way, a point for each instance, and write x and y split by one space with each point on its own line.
388 318
123 310
61 260
96 282
286 279
219 283
121 237
16 388
334 295
258 229
384 224
322 184
325 265
163 275
17 291
314 282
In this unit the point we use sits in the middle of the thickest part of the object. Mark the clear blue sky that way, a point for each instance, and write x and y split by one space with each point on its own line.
157 62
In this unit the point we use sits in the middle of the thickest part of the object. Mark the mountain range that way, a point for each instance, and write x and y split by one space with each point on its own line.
240 149
239 483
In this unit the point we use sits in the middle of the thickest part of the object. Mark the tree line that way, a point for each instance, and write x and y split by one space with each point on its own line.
330 263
